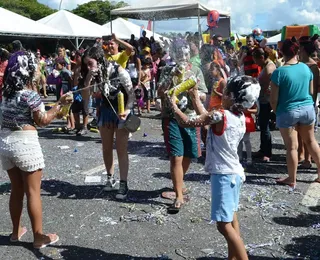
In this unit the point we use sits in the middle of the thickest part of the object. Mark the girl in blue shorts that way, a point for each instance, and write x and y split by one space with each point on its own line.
227 128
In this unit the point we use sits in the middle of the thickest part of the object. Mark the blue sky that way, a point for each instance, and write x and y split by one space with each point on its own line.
245 14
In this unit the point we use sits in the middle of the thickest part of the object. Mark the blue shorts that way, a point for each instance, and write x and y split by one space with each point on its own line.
299 116
225 194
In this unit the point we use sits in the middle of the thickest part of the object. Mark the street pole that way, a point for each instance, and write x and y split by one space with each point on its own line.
60 5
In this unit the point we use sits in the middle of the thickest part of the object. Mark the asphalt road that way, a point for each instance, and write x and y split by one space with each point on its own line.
276 223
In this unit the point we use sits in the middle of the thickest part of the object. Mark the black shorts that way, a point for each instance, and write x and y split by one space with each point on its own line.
78 107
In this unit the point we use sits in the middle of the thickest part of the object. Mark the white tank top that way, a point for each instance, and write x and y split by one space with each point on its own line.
222 156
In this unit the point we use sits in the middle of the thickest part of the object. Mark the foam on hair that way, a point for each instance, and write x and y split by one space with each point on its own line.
244 90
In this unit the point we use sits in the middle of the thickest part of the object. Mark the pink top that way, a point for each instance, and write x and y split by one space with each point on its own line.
3 66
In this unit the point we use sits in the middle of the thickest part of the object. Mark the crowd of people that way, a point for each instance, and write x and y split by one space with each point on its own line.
231 92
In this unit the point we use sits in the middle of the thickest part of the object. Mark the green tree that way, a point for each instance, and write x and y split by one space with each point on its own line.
98 11
28 8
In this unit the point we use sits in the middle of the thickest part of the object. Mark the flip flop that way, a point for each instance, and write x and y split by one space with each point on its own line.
282 181
171 195
305 167
48 243
24 231
175 207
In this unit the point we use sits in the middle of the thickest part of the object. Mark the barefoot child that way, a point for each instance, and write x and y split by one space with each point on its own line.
227 128
145 81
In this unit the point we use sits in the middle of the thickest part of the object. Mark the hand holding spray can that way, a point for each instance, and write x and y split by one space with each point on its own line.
184 86
64 111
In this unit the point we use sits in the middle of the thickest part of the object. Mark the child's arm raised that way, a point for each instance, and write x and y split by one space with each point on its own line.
213 117
196 101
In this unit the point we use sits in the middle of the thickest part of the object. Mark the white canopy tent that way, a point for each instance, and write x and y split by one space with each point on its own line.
167 9
74 25
123 29
17 25
274 39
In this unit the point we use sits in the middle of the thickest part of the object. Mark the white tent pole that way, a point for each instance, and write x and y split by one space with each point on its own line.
77 43
111 26
199 28
153 26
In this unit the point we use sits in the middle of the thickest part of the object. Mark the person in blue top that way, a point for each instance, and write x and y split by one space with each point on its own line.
291 100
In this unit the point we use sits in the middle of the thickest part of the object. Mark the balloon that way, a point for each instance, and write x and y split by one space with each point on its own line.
213 18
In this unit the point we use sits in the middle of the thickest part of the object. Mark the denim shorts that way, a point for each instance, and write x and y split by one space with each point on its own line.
225 194
299 116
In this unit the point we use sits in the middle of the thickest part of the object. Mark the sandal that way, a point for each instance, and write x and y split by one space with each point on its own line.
175 207
317 180
283 181
24 231
53 239
67 130
171 195
305 166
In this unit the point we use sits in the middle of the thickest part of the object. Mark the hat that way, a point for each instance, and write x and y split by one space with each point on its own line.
146 49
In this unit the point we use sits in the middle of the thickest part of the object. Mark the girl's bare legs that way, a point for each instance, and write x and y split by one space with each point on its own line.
307 135
301 150
43 81
122 136
148 106
290 138
107 135
32 188
16 201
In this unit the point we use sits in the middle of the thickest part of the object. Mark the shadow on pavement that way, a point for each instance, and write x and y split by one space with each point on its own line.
66 190
73 252
306 247
192 177
302 220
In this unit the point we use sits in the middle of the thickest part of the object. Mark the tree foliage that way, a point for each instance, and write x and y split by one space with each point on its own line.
98 11
28 8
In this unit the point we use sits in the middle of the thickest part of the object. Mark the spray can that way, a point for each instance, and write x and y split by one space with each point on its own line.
184 86
64 111
120 103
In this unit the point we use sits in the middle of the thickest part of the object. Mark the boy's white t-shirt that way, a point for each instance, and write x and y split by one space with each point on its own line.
222 156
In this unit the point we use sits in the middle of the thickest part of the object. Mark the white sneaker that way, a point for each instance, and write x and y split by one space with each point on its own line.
110 184
249 161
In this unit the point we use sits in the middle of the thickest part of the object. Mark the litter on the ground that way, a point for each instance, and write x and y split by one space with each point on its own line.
108 221
64 147
92 179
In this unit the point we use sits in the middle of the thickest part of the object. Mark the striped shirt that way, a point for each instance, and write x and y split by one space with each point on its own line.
17 111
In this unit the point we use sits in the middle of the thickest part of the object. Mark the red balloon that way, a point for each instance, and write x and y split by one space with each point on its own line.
213 18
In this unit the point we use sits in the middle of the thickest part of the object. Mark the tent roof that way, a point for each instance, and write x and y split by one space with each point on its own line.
123 29
274 39
18 25
73 25
165 9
